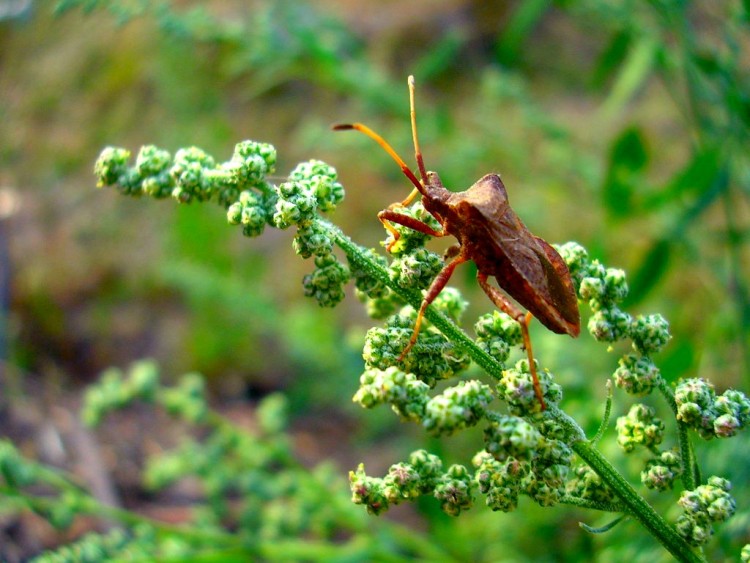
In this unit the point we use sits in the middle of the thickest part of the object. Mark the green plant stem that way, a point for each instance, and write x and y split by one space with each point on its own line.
636 505
690 474
414 297
633 503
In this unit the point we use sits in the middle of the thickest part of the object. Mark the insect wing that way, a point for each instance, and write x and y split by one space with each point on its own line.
535 275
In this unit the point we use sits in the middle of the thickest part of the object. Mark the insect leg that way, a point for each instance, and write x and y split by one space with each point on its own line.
504 304
388 216
437 285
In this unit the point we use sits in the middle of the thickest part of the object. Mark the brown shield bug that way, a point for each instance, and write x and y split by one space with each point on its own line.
492 235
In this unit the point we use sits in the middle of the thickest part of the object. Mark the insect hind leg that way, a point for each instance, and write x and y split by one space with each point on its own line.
504 304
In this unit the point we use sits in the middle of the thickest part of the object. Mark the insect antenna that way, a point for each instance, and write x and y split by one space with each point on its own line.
413 114
389 149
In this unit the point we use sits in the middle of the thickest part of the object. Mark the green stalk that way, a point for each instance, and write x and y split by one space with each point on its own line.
636 505
690 477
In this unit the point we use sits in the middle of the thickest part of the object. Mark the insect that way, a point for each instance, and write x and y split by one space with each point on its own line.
490 234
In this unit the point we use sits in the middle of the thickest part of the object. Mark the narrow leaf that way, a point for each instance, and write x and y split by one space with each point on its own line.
653 267
602 529
632 77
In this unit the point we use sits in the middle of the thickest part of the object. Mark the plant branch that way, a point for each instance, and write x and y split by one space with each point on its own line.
633 503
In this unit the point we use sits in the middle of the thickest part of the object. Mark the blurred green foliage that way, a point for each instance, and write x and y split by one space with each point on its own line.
620 123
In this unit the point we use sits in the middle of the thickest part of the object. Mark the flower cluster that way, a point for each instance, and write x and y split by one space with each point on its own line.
603 289
709 414
640 427
706 505
403 391
496 333
662 471
191 175
313 187
240 185
117 389
423 474
432 359
457 407
588 485
516 387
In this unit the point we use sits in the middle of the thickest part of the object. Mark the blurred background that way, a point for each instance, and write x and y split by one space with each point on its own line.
620 124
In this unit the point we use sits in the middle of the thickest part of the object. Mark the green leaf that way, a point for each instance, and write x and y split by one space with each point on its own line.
521 23
441 57
602 529
653 267
635 71
698 176
611 58
628 157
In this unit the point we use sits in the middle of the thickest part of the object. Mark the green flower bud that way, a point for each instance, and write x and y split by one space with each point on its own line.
615 285
636 375
246 154
551 464
404 392
588 485
402 482
696 532
295 205
650 334
733 410
143 380
592 289
429 466
609 325
707 504
458 407
455 490
661 472
431 359
542 493
312 240
369 491
516 387
320 179
695 405
451 303
222 182
187 400
659 477
111 165
158 187
326 282
188 174
640 427
576 258
499 481
496 333
415 269
511 436
381 307
152 161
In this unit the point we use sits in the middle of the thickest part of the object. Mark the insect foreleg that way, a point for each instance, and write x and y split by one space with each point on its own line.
437 285
388 216
504 304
